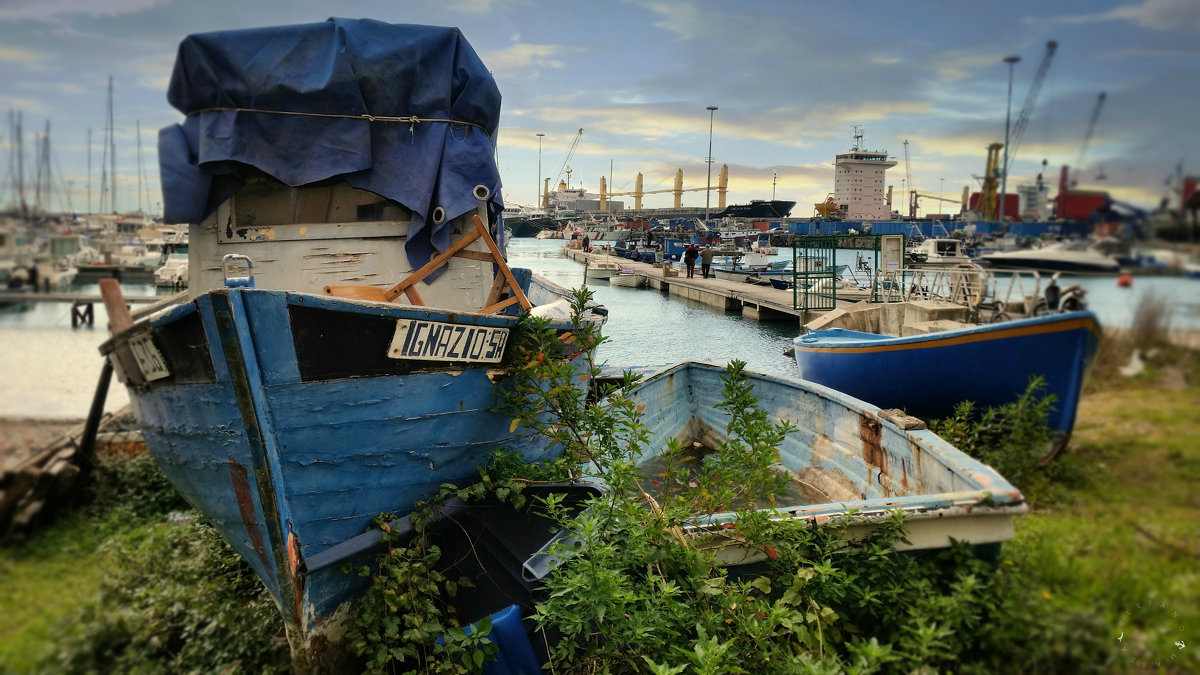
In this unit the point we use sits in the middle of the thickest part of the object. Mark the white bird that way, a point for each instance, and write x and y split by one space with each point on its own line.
1135 365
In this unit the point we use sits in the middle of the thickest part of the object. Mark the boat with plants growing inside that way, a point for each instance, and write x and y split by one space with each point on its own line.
350 313
846 460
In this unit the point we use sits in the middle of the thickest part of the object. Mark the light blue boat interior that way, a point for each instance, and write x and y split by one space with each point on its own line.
855 461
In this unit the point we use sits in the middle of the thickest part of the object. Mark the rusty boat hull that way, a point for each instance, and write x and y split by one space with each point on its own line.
859 463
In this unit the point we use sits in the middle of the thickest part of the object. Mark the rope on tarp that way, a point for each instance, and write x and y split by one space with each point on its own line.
412 120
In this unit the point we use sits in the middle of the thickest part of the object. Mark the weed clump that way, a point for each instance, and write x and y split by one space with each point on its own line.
134 484
642 588
179 598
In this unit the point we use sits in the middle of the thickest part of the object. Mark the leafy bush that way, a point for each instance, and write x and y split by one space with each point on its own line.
640 588
179 599
135 484
1011 438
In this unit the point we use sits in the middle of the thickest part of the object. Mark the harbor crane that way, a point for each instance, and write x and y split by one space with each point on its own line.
1018 129
920 195
721 187
1087 137
912 189
566 160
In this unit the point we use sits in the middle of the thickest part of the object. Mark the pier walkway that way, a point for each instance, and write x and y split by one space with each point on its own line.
759 303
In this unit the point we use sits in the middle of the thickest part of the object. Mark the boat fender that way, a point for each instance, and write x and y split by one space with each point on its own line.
1125 280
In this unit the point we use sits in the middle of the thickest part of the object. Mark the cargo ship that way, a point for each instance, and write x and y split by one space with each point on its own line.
758 209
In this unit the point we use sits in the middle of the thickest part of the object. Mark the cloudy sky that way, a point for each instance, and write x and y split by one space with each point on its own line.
791 80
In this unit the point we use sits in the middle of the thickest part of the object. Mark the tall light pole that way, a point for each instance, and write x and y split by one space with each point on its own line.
538 192
708 191
1010 60
941 188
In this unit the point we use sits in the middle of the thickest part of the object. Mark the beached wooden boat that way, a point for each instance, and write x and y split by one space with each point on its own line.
349 314
850 460
928 374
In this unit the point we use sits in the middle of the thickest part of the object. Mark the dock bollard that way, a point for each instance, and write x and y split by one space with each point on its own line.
81 313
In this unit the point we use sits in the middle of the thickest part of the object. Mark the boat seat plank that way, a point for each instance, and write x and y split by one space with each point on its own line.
503 281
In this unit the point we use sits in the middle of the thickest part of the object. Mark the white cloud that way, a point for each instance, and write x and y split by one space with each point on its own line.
1160 15
55 87
45 10
17 54
29 106
955 65
524 55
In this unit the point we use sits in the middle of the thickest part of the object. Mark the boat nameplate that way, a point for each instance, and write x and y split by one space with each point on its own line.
423 340
149 360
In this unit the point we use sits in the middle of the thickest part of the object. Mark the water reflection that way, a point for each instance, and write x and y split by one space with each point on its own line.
647 327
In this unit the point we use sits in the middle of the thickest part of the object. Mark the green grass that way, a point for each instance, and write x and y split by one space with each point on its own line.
1112 550
45 580
1124 544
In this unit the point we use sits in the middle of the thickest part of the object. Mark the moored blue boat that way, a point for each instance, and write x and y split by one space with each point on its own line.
927 375
350 312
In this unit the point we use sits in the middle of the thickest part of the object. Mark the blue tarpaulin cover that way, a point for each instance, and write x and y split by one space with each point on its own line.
293 102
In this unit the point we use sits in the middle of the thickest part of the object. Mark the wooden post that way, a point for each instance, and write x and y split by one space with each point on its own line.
87 444
119 318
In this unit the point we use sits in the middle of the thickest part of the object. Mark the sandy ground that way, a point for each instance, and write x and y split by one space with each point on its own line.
19 437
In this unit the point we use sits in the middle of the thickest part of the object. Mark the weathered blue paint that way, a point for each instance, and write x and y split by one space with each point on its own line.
927 375
288 468
856 456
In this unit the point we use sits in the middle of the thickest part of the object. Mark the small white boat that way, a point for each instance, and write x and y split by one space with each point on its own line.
174 271
939 252
627 278
602 270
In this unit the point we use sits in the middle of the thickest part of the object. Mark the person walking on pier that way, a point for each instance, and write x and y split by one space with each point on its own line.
706 257
689 258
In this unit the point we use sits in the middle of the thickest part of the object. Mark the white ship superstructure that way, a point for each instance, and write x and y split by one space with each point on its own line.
579 200
858 183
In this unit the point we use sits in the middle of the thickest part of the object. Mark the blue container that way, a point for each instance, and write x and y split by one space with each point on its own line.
515 655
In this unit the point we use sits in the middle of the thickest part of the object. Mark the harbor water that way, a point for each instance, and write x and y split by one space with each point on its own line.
50 369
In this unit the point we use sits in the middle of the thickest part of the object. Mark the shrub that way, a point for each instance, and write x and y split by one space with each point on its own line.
179 599
1011 438
135 484
640 588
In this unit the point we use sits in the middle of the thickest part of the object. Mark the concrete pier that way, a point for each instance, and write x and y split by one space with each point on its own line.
757 303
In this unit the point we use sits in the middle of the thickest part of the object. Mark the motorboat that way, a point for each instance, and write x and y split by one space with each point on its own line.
173 273
939 252
1079 258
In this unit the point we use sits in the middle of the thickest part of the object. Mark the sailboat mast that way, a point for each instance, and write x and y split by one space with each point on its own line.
20 177
112 157
138 126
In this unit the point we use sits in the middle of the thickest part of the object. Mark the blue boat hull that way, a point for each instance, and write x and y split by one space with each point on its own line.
283 419
927 375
